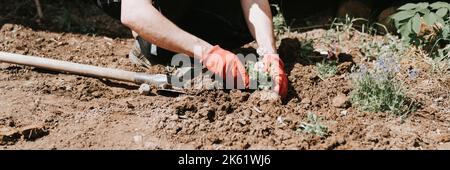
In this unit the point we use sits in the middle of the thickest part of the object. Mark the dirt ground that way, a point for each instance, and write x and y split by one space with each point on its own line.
41 109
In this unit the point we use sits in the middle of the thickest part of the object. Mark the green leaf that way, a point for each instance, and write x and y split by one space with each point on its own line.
446 32
405 30
423 5
430 18
442 12
402 15
425 11
438 5
440 20
408 6
415 24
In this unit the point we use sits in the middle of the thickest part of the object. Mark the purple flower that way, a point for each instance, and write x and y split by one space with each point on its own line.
387 65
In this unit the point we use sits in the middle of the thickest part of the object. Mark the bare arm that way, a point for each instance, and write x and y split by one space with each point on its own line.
259 21
143 18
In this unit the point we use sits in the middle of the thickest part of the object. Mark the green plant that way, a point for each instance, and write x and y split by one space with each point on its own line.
326 69
313 126
377 90
280 24
345 24
389 45
440 62
415 22
258 76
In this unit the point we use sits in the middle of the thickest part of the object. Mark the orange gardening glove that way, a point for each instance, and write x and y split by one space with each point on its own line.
275 66
226 65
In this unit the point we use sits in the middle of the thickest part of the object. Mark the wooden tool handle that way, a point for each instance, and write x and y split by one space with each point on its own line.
69 67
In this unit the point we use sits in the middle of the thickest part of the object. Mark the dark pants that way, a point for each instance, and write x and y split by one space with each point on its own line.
219 22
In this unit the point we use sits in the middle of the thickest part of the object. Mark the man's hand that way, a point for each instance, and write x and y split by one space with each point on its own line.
275 66
227 65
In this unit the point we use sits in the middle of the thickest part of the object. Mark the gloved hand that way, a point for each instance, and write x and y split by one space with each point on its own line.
225 64
275 66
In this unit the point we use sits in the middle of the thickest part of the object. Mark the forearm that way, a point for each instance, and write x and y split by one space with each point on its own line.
259 20
151 25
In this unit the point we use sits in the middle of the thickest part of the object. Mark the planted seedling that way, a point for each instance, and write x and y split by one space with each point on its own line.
326 69
313 126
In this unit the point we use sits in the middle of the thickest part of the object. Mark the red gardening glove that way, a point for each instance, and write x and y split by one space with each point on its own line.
225 64
275 66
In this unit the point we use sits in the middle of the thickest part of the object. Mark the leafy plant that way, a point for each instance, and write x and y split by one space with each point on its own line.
440 62
280 24
412 19
326 69
389 45
314 126
258 75
376 90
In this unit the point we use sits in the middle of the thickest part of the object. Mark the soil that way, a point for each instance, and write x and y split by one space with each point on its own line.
42 109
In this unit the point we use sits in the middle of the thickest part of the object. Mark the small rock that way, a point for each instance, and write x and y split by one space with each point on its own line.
341 101
7 27
306 101
138 139
68 88
438 100
97 94
445 146
265 96
40 40
150 145
280 120
444 138
174 117
145 89
4 66
344 113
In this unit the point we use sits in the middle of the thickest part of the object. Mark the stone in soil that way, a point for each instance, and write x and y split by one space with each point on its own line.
341 101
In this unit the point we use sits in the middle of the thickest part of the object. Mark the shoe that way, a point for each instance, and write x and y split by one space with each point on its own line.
141 54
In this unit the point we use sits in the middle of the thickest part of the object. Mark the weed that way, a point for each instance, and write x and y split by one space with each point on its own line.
326 69
376 89
313 126
258 75
280 24
345 24
439 64
389 46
